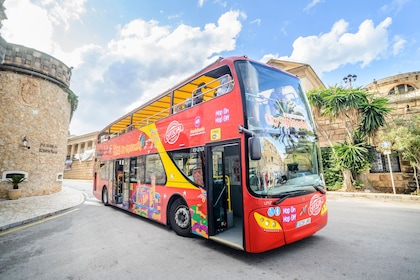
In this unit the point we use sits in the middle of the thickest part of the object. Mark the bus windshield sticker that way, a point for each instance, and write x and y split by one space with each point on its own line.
286 121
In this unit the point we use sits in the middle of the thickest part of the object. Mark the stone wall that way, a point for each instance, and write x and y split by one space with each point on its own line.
80 154
80 170
33 105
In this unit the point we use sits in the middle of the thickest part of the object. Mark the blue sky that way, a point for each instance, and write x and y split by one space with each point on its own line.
124 52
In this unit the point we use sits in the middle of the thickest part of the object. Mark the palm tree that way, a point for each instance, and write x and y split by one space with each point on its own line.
361 114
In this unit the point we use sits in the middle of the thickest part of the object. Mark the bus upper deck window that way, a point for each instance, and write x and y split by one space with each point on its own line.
226 85
198 94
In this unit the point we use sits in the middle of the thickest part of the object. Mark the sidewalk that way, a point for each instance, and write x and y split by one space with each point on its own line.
384 197
24 210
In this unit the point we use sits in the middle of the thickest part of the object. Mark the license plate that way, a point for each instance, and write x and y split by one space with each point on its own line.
303 222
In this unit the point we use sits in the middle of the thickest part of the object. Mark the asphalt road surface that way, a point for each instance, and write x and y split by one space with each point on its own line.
363 240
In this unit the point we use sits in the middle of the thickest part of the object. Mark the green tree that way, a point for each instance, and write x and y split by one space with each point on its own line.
404 136
361 115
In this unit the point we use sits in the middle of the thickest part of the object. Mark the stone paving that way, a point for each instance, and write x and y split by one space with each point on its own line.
28 209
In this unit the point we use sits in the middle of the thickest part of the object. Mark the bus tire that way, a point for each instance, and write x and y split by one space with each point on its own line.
180 218
105 196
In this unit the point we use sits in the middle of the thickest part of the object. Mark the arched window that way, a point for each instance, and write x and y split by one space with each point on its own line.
401 88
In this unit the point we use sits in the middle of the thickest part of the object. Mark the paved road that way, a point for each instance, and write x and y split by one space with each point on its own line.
84 186
363 240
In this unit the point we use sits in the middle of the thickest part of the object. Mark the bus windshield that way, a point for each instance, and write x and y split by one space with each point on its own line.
277 111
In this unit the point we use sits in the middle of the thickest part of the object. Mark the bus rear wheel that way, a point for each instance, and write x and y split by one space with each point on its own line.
180 218
105 196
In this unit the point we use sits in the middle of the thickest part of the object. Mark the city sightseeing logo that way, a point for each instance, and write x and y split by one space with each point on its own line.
173 131
315 205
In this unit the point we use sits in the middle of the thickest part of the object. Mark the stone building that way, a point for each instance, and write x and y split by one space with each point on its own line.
80 156
35 110
403 92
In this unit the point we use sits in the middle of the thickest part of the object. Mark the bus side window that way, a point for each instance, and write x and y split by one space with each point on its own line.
198 94
155 169
226 85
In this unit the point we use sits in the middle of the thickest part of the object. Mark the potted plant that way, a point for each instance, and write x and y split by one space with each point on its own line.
15 180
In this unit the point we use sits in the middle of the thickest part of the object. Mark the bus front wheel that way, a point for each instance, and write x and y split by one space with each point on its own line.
180 218
105 196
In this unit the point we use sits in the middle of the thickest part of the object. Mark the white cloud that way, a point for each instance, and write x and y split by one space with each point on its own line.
36 28
143 60
395 6
41 21
398 44
329 51
64 11
312 4
256 21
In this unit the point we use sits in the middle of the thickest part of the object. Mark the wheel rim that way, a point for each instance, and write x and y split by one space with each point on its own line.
182 217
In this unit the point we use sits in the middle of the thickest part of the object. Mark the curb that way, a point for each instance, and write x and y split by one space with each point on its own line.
377 196
78 198
34 219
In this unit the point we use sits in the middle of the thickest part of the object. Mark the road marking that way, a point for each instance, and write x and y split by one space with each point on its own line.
37 222
94 202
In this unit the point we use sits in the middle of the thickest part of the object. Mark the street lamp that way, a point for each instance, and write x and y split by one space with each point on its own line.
349 78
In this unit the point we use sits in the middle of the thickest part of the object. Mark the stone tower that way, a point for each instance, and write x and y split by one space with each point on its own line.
35 110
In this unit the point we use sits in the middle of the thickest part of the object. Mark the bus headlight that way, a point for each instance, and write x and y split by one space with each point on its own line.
266 223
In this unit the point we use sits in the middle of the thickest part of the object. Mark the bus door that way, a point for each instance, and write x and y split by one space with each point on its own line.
117 189
126 183
225 195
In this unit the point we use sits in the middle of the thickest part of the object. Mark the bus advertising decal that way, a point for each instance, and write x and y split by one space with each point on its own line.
199 223
289 214
130 144
315 205
273 211
146 202
222 115
215 134
173 131
198 129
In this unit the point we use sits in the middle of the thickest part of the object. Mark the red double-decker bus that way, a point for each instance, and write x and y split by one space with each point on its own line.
230 154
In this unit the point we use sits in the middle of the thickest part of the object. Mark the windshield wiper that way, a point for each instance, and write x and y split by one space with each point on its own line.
298 192
286 195
319 188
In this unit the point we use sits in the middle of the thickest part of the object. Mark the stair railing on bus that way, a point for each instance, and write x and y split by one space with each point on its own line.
224 81
226 185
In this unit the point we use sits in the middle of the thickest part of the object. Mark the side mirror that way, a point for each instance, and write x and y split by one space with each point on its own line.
254 146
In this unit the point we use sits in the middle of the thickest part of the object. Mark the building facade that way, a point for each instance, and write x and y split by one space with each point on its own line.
80 157
403 93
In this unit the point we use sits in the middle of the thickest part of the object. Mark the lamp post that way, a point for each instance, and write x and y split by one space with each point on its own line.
387 151
349 79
